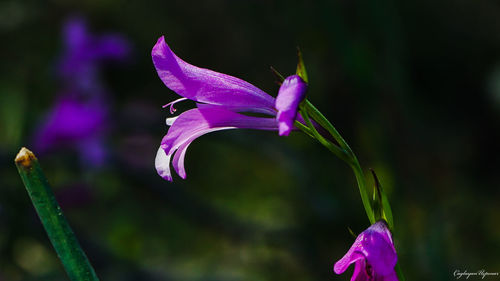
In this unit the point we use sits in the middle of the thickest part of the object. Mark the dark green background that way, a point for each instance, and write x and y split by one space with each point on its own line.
414 86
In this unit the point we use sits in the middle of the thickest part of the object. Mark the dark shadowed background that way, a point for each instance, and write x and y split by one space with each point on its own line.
414 86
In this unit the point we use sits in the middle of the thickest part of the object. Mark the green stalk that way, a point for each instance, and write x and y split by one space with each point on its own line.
352 160
360 178
399 272
339 152
304 128
63 239
321 119
348 156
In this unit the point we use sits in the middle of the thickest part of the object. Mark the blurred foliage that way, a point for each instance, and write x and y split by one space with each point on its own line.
412 85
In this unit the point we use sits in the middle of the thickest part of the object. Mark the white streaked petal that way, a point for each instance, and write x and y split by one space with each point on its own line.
162 164
171 120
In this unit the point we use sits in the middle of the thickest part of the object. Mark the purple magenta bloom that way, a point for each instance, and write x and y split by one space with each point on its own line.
291 93
220 100
373 255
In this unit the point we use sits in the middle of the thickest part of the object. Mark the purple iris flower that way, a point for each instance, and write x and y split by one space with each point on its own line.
79 116
220 99
373 255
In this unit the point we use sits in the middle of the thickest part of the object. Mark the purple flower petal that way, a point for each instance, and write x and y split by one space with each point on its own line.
291 93
359 273
349 258
235 108
207 86
375 249
178 161
194 123
199 121
379 249
391 277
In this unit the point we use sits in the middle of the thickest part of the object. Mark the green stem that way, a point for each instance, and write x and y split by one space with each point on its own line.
304 128
339 152
360 178
399 272
321 119
63 239
347 155
351 159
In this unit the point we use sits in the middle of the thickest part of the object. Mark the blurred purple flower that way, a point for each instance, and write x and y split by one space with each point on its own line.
373 255
74 123
83 53
79 117
219 98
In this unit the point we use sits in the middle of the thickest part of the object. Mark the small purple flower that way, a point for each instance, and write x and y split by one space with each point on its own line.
373 255
220 100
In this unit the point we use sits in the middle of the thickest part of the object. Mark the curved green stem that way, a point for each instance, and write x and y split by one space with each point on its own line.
321 119
339 152
360 178
348 155
344 152
304 128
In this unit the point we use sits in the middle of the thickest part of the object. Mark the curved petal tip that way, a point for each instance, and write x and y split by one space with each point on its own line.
162 164
284 129
350 258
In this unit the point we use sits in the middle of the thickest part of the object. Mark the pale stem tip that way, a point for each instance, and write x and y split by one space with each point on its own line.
25 157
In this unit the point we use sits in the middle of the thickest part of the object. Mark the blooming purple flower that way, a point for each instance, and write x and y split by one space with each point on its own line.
220 99
373 255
